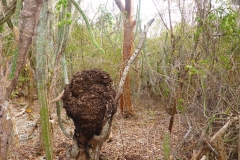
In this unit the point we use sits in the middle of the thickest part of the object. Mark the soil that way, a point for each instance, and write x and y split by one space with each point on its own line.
136 138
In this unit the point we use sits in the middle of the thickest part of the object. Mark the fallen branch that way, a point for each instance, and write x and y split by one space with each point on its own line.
131 59
211 147
219 133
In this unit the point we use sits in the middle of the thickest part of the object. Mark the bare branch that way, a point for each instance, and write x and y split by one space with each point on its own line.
130 60
219 133
160 15
57 98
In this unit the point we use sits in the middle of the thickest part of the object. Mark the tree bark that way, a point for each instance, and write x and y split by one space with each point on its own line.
41 78
27 23
29 17
132 58
126 107
5 123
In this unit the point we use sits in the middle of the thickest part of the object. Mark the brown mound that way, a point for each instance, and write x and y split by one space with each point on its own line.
86 99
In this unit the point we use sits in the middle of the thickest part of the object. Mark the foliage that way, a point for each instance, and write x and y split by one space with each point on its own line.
202 56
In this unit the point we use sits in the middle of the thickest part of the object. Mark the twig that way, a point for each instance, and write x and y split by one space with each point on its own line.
211 147
34 127
22 112
57 98
218 134
234 110
131 59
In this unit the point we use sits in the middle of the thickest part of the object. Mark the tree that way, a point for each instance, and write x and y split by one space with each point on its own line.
126 107
27 25
41 73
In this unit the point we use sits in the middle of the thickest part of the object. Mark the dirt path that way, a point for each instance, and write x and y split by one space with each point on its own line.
139 137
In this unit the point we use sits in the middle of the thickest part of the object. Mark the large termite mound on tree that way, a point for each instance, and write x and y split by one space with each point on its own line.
89 101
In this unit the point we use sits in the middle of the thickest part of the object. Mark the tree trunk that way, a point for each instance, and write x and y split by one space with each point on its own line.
27 23
5 123
41 78
126 107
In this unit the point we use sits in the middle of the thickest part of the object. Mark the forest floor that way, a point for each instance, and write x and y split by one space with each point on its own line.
135 138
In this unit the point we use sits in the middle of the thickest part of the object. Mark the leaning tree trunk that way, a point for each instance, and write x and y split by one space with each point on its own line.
126 107
27 23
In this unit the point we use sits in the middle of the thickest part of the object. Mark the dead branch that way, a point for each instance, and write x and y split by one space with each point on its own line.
57 98
131 59
211 147
36 125
219 133
22 112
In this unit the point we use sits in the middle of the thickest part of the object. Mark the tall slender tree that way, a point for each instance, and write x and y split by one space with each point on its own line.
126 107
27 24
41 73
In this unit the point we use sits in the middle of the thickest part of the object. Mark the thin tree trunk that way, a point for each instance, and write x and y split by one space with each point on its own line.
5 124
126 107
41 80
132 58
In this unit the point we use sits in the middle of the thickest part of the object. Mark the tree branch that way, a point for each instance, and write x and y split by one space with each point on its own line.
131 59
219 133
120 5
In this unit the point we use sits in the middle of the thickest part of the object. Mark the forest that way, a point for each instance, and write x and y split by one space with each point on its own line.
119 79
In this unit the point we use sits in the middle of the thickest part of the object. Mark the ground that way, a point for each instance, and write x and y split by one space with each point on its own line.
138 137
